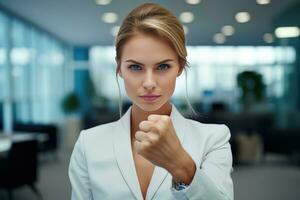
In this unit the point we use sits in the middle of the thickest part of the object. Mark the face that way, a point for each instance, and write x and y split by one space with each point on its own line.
149 67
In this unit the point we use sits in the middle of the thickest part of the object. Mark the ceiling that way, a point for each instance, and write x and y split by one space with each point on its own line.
78 22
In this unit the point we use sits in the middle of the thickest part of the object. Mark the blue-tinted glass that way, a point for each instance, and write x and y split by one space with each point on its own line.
37 70
3 55
20 56
212 69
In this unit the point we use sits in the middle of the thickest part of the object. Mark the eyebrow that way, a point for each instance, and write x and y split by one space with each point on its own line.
163 61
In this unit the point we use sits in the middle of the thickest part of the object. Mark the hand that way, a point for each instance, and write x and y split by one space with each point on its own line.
157 142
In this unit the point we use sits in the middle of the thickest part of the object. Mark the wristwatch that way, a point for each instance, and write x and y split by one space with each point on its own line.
180 186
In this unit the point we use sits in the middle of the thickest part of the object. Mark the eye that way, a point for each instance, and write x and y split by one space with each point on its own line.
163 67
134 67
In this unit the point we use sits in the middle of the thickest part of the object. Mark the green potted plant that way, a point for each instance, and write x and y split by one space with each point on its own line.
71 103
252 93
252 88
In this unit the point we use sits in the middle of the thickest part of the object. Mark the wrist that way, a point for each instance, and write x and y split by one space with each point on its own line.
184 168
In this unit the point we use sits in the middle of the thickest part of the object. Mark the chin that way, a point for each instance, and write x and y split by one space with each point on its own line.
149 107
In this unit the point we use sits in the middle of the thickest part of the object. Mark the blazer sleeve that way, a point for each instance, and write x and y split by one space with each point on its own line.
78 172
212 179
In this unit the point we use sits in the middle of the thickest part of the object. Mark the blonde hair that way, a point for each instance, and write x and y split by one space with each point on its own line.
153 19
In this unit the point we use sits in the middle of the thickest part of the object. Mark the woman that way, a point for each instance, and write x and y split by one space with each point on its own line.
152 151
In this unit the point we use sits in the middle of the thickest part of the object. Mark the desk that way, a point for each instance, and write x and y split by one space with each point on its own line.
5 145
7 140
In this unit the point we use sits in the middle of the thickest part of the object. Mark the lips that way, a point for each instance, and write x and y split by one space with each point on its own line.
150 98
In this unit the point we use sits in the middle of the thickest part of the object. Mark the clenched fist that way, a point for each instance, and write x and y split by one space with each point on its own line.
157 142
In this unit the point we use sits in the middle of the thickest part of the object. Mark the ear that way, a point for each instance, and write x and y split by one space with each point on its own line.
119 72
180 71
182 64
118 68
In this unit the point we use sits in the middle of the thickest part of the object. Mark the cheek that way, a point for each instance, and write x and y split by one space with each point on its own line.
168 83
131 83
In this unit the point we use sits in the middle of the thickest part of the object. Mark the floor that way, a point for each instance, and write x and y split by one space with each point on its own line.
271 180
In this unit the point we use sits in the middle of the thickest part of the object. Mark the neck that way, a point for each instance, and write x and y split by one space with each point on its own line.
138 115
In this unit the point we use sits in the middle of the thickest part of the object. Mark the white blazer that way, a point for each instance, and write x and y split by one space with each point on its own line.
102 165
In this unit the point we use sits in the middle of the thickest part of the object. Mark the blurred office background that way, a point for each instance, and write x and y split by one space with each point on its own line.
57 76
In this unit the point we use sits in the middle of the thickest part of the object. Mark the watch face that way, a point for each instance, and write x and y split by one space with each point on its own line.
180 186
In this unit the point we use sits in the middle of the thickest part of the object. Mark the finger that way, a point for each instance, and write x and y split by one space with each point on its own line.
154 117
141 136
161 121
148 126
137 146
159 118
140 146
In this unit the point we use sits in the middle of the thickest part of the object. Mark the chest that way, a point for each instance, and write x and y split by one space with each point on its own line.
144 170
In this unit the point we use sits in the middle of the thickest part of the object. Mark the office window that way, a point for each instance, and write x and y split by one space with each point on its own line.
213 70
3 55
20 56
38 71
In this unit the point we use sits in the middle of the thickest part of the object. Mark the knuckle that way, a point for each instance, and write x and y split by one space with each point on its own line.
155 128
146 147
155 139
142 124
137 134
166 118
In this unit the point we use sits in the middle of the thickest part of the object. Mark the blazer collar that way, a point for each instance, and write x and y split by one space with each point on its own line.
124 157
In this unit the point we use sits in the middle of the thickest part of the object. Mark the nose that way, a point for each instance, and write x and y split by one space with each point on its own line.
149 82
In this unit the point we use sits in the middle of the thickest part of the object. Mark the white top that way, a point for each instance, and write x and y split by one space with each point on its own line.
102 165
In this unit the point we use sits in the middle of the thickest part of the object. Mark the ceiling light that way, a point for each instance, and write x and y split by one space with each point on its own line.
114 30
263 2
193 2
186 17
103 2
268 38
287 32
228 30
242 17
219 38
110 17
186 29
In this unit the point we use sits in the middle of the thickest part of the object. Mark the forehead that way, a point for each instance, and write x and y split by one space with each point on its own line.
147 48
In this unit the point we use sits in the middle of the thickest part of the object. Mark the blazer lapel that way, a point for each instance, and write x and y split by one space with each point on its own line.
160 174
123 152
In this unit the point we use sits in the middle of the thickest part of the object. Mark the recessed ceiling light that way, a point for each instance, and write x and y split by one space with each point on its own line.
287 32
103 2
263 2
186 29
110 17
114 30
268 38
228 30
242 17
186 17
193 2
219 38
